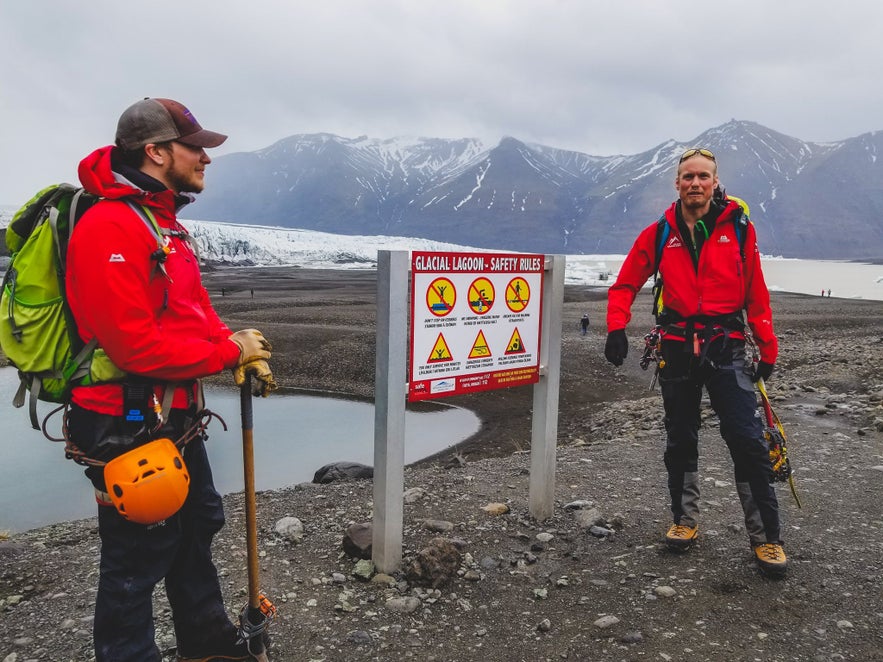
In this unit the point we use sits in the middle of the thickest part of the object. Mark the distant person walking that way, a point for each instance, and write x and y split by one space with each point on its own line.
829 294
584 323
710 285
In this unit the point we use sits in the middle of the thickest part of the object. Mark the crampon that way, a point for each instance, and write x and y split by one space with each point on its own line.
774 433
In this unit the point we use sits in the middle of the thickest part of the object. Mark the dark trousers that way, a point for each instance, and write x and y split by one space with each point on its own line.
722 371
135 557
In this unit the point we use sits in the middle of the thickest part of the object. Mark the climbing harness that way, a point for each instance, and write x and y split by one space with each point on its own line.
697 334
197 428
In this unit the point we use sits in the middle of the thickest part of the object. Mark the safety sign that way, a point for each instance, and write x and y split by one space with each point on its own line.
441 295
475 322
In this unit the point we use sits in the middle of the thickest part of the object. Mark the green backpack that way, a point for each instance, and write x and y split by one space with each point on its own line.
37 331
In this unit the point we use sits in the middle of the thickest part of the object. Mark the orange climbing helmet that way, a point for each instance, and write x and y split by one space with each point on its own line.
148 484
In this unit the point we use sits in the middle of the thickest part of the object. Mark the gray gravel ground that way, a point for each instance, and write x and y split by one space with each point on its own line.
592 582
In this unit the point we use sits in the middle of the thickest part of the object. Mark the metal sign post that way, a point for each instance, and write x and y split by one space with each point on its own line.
389 408
495 355
544 432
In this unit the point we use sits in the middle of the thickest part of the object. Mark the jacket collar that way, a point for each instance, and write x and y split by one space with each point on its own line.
152 187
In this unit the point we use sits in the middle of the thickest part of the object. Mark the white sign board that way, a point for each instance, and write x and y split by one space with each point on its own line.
475 322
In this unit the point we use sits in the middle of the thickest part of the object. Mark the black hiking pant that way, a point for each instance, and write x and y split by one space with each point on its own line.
721 370
135 557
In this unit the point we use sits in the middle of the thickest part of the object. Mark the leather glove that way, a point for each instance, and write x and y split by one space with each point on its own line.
617 347
252 345
259 369
763 370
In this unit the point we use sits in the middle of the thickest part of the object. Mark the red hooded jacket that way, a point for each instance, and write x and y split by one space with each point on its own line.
723 283
158 326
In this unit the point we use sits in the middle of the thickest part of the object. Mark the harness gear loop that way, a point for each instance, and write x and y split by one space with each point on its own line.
698 332
653 353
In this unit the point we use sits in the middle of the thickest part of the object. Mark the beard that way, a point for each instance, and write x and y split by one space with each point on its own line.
695 201
188 182
183 180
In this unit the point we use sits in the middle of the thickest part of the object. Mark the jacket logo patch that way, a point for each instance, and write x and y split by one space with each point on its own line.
724 239
116 257
674 242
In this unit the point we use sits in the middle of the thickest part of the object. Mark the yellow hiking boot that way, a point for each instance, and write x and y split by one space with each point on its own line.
771 559
681 537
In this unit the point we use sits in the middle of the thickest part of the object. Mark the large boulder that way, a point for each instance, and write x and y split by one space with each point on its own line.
342 471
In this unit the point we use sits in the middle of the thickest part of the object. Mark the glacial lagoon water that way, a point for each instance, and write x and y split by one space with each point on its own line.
293 436
847 280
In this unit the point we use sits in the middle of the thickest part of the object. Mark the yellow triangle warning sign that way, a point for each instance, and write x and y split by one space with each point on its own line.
440 351
479 349
515 345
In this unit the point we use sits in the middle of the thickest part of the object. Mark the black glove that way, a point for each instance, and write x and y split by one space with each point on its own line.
617 347
763 370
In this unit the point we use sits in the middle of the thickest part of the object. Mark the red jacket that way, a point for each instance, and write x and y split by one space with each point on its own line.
149 325
723 284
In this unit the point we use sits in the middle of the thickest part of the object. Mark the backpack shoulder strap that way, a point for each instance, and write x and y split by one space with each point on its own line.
663 229
162 249
741 226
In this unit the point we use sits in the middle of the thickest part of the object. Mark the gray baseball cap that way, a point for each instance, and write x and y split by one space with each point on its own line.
159 120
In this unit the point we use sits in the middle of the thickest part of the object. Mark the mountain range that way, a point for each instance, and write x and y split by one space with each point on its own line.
808 200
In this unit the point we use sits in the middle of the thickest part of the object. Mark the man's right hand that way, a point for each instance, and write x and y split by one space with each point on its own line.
763 370
617 347
252 346
264 381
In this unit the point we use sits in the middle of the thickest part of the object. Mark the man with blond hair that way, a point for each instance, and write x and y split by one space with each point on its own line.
714 294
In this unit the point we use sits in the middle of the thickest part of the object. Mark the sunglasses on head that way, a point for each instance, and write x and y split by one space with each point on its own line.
693 152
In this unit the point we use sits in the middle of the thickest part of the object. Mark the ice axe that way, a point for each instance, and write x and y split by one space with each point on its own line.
256 615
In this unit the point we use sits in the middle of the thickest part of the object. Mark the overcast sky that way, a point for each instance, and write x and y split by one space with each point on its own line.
601 77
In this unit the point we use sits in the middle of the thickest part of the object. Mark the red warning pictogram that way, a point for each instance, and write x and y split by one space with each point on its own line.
440 351
441 295
480 349
517 294
481 296
515 345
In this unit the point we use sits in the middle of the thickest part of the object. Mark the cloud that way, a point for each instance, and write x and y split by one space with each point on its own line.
598 77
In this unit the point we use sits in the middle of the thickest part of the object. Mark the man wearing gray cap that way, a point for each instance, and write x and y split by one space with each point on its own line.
135 291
